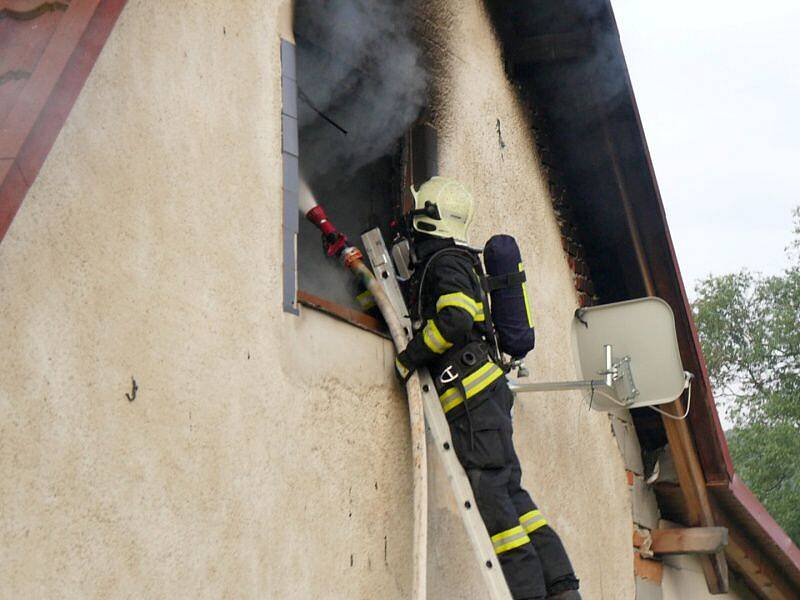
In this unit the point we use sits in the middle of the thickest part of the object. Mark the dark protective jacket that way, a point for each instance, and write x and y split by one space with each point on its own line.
452 337
453 341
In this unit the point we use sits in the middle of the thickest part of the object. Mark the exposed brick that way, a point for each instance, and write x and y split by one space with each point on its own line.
555 190
638 538
646 568
571 263
584 284
573 249
581 268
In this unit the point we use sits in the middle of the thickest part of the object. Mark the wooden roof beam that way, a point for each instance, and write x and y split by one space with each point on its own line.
756 569
691 540
698 503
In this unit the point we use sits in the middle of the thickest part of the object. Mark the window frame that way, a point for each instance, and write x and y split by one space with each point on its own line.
418 162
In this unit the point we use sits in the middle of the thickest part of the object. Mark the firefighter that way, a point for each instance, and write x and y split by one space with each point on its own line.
453 338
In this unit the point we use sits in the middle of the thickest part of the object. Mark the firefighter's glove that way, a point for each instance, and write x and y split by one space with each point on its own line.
401 369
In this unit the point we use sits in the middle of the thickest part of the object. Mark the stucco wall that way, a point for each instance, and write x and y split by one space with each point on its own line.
265 455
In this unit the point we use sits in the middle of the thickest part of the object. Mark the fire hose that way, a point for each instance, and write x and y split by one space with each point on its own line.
336 245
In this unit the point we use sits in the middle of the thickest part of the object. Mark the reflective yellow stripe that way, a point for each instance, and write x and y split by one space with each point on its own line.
400 368
366 300
509 539
474 383
434 339
527 302
533 520
464 302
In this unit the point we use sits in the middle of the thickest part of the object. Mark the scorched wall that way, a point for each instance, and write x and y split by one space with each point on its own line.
265 454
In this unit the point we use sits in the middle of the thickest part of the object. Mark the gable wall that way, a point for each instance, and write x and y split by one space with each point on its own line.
265 454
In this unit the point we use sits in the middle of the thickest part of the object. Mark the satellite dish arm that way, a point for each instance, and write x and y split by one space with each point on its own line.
556 386
609 374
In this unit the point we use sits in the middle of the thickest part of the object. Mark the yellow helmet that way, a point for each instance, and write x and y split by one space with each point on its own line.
443 208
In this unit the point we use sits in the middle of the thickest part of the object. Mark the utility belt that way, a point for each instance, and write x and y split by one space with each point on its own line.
465 374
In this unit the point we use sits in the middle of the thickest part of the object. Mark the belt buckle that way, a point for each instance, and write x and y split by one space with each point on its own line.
451 376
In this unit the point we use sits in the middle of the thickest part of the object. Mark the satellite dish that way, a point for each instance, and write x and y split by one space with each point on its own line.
627 354
641 334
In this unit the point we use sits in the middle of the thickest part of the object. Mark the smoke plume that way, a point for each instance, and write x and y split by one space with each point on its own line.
359 65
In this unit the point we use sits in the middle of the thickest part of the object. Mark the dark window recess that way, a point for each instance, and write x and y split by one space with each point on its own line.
377 194
371 196
367 199
359 94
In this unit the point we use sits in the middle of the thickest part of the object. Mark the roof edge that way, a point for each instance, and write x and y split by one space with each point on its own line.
761 516
55 86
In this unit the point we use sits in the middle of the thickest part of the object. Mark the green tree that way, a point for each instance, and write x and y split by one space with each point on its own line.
749 328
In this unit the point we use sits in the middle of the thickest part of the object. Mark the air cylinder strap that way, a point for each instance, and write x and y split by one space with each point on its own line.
497 282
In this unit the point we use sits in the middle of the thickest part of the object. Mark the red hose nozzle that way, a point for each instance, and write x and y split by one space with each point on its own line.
318 217
333 241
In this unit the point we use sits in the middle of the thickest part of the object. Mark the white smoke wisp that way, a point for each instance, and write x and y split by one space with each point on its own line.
358 63
306 200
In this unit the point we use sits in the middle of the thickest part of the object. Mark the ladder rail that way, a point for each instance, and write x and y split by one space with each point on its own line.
437 426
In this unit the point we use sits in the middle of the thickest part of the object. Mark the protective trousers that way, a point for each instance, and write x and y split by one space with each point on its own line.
534 561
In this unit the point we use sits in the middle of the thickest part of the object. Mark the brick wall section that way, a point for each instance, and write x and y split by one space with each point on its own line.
570 235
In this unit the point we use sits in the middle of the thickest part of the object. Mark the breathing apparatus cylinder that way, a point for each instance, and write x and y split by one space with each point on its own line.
511 310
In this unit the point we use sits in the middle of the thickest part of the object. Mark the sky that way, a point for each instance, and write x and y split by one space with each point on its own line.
718 88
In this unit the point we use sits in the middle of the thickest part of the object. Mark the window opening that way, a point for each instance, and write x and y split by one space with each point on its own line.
360 87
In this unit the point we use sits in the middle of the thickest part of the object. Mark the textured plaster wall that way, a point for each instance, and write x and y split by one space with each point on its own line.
265 455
